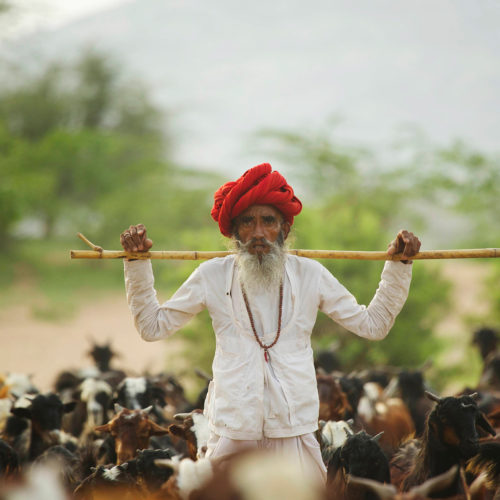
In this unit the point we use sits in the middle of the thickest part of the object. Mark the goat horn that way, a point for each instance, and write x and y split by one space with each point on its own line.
436 483
147 411
381 490
181 416
433 397
348 432
474 396
167 462
202 374
377 436
118 408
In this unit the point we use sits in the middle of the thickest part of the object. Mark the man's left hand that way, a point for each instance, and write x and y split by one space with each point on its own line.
406 243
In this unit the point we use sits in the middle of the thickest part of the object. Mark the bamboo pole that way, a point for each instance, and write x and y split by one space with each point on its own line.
98 253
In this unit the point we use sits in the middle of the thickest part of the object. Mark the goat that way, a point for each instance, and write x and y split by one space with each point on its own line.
486 339
9 461
352 387
333 403
110 483
390 416
45 413
131 430
194 430
412 388
138 393
360 455
450 438
487 463
332 435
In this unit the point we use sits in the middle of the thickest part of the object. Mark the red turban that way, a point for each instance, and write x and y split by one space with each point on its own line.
257 186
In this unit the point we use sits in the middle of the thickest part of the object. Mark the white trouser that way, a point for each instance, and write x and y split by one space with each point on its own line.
304 447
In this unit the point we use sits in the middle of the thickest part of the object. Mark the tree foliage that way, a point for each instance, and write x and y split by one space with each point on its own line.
71 137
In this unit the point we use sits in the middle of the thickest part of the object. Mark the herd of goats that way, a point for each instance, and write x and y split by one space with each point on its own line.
104 434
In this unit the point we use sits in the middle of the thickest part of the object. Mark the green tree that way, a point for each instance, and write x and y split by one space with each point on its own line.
72 136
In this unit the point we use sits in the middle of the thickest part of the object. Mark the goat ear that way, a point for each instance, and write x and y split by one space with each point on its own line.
157 430
176 430
21 412
69 407
103 428
482 423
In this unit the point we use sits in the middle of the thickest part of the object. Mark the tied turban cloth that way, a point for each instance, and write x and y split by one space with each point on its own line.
257 186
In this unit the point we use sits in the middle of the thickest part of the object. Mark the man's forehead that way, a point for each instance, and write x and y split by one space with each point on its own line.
261 211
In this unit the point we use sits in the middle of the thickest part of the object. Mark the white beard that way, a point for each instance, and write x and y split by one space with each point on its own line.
264 273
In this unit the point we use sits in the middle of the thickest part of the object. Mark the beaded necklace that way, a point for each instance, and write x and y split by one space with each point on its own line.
250 317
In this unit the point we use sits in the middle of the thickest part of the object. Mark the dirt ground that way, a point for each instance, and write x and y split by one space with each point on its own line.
44 348
31 345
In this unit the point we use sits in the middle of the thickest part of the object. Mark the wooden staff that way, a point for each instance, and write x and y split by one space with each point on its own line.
98 253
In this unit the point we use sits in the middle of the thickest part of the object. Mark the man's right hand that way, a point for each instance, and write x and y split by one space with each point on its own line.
134 239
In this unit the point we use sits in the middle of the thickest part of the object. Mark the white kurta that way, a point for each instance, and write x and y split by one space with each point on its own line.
235 401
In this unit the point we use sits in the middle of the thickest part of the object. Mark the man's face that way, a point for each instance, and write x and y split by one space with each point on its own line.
258 223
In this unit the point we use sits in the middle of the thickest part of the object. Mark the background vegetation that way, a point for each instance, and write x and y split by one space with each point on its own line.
84 149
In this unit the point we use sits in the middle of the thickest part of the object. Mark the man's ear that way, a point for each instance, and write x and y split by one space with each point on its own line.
286 229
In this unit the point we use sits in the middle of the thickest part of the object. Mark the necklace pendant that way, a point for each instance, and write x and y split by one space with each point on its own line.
266 355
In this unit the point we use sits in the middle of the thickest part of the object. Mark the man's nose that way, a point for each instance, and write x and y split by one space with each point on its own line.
258 230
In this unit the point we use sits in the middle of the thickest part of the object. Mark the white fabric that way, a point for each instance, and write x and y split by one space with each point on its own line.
248 398
305 449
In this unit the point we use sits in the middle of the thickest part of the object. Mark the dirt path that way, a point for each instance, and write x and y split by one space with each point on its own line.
44 348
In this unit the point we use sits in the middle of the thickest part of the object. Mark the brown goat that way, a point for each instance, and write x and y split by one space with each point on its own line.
333 403
388 415
131 430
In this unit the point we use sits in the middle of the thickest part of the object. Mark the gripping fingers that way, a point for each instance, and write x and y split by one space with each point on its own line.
134 239
125 240
411 244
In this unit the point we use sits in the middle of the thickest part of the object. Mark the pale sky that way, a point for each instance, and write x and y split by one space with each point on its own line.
378 64
29 15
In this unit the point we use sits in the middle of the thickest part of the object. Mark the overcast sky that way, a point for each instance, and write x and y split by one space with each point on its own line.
29 15
228 68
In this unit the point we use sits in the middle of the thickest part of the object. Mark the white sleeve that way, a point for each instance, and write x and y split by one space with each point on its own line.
152 320
375 321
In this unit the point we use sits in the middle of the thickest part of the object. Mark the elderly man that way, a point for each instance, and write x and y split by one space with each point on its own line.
263 303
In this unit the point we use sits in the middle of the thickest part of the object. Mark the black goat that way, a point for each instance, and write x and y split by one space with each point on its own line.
450 438
361 456
412 388
45 412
